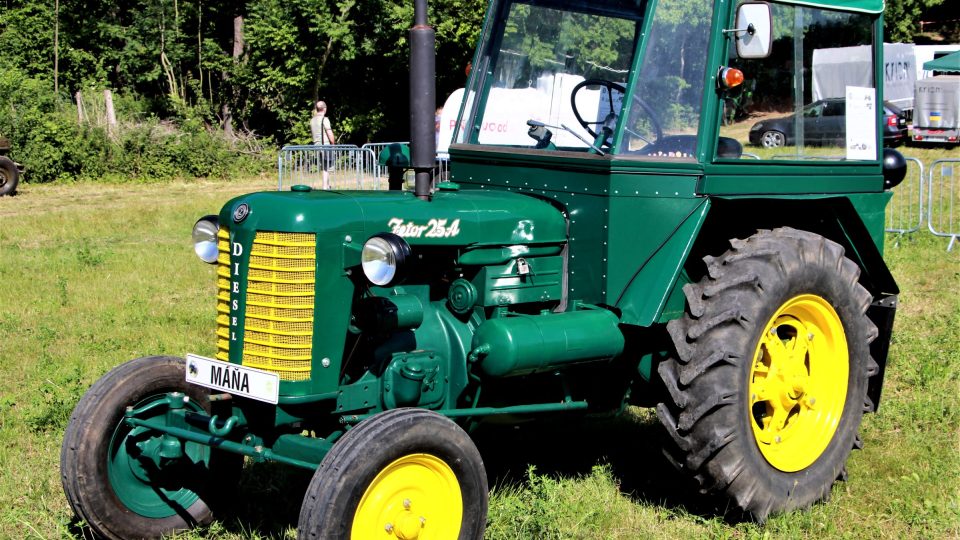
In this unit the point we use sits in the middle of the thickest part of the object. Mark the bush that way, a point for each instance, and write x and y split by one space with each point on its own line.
46 137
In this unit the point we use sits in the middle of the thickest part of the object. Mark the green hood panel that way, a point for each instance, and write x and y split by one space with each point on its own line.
452 218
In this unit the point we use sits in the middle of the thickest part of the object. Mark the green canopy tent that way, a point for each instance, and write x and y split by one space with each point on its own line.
950 62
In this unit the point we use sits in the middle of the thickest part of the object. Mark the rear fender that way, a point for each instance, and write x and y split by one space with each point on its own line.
855 222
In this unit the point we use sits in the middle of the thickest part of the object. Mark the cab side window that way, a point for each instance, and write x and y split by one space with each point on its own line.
792 104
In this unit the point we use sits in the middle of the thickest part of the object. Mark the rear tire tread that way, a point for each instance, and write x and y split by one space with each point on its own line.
708 341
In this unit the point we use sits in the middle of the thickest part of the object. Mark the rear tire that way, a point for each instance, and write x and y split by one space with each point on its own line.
769 382
105 481
9 176
397 474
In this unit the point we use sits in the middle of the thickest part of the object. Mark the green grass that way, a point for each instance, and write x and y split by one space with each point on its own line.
93 275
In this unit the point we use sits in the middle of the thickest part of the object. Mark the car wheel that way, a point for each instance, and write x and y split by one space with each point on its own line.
772 139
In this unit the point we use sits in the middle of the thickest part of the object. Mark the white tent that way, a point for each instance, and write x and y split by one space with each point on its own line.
837 68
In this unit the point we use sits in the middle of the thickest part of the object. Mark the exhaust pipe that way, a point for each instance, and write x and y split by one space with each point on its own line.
422 100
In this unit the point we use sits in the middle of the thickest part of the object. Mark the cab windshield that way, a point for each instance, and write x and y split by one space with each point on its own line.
566 76
552 77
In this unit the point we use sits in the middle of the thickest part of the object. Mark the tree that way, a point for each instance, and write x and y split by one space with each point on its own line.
902 19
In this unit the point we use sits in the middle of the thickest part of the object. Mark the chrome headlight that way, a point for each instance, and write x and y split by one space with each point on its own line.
205 238
385 259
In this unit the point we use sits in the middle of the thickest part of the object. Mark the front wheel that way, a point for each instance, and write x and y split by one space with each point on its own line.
404 473
130 482
769 381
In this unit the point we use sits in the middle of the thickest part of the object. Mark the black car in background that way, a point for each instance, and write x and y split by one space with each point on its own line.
824 122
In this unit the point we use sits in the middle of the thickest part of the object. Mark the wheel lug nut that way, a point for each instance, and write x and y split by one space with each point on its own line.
810 336
389 527
777 439
406 504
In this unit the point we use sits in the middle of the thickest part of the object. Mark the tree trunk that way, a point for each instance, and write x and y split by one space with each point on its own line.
56 48
238 46
238 43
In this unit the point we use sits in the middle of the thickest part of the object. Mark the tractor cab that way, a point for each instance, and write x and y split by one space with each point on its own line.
646 81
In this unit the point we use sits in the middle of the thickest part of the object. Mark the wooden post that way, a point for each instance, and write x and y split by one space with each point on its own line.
111 116
80 111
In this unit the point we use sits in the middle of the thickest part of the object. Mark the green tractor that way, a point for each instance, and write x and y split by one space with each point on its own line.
606 241
10 170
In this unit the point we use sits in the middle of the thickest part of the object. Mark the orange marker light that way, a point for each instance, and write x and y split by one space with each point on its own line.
730 77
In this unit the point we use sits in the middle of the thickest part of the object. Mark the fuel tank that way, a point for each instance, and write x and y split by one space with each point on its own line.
523 344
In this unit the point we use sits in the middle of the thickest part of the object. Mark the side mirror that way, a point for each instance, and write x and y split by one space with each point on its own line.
754 30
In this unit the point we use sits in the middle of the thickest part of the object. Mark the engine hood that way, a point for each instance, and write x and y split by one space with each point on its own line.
454 218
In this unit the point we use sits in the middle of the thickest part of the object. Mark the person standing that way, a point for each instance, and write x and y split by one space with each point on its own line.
322 136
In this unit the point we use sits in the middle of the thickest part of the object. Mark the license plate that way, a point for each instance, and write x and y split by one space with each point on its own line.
231 378
935 139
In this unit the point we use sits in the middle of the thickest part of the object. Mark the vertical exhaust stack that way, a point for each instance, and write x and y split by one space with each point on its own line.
422 100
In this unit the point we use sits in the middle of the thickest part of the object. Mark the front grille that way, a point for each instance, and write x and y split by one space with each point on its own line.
278 323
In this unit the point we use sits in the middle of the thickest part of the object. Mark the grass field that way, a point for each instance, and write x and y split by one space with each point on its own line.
93 275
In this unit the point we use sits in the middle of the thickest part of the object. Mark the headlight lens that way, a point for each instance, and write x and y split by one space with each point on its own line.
205 238
384 259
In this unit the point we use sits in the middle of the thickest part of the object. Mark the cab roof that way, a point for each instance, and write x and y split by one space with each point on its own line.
863 6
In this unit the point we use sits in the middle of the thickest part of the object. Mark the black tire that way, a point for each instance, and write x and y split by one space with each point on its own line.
354 466
9 176
88 447
736 444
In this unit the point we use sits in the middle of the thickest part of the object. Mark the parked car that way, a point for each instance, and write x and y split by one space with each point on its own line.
824 122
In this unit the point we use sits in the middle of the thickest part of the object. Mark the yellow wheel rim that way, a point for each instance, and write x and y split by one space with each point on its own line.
798 382
416 496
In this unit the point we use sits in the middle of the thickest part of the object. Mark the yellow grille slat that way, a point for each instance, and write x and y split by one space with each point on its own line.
281 289
290 302
270 276
274 353
274 364
279 340
281 327
285 262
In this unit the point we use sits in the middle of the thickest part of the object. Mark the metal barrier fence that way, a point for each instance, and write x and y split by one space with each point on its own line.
905 210
944 198
335 166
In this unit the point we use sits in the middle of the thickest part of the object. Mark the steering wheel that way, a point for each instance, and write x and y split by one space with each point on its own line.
610 121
